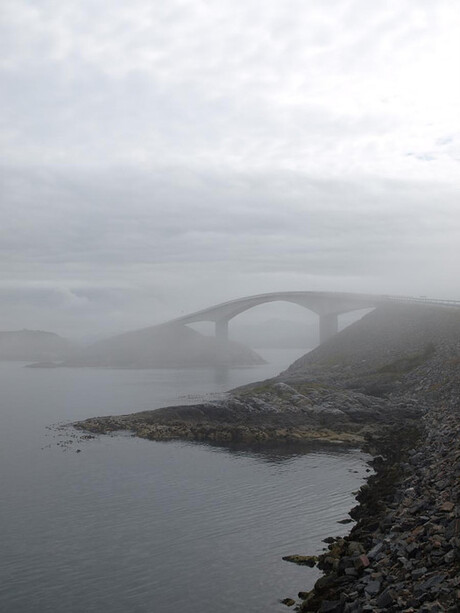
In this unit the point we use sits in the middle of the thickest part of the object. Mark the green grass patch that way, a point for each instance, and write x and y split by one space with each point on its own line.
409 362
253 390
305 387
334 360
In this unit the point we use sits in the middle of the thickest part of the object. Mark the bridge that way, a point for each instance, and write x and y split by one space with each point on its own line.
327 305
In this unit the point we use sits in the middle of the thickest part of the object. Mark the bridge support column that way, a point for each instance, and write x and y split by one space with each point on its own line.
328 326
222 330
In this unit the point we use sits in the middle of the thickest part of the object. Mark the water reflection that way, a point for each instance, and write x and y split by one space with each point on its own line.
274 452
221 375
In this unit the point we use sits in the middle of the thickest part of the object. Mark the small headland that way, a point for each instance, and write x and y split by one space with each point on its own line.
162 346
389 383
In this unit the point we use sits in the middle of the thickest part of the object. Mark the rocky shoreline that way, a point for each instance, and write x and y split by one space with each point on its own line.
274 411
390 384
404 552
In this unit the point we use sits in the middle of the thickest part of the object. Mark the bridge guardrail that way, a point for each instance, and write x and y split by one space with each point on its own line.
423 300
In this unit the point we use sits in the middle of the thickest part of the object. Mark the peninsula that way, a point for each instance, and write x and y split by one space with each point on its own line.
391 384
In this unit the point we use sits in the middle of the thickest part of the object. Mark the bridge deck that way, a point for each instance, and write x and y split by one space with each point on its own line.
327 305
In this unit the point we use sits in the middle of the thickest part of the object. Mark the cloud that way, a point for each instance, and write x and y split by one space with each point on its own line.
161 157
336 88
122 222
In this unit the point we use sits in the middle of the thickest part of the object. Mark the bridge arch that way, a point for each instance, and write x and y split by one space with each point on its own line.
223 328
328 306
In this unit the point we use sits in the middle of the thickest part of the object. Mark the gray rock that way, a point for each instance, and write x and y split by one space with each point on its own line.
386 598
432 582
419 572
374 552
372 588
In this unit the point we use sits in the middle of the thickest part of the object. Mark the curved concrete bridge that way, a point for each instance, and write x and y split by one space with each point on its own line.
327 305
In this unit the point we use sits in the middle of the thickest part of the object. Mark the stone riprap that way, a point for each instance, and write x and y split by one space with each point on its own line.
390 383
404 552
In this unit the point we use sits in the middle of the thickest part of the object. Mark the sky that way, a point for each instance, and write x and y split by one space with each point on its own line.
161 157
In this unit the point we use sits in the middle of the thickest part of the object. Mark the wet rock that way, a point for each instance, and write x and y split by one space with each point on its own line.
375 551
355 548
447 507
301 560
419 572
432 582
372 588
331 606
326 581
362 561
411 561
386 598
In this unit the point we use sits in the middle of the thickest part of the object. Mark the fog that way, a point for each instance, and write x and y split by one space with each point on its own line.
159 159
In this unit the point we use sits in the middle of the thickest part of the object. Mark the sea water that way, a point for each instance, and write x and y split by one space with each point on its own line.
118 524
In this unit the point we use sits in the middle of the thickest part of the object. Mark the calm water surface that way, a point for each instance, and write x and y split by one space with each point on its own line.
128 525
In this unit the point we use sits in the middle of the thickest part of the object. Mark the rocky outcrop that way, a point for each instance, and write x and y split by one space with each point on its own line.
272 411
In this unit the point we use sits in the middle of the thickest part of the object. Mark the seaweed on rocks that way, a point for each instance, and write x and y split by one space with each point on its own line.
389 449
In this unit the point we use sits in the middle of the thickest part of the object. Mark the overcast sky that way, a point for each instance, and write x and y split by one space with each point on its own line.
160 157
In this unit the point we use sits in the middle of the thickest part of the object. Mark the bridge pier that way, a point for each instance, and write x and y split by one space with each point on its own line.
328 326
221 330
327 305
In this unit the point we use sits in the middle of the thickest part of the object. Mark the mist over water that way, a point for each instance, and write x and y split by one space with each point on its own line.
132 525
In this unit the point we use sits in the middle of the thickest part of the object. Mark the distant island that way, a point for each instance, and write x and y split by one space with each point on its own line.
163 346
25 345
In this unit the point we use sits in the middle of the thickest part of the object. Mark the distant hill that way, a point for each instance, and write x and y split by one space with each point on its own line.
164 346
385 344
31 345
